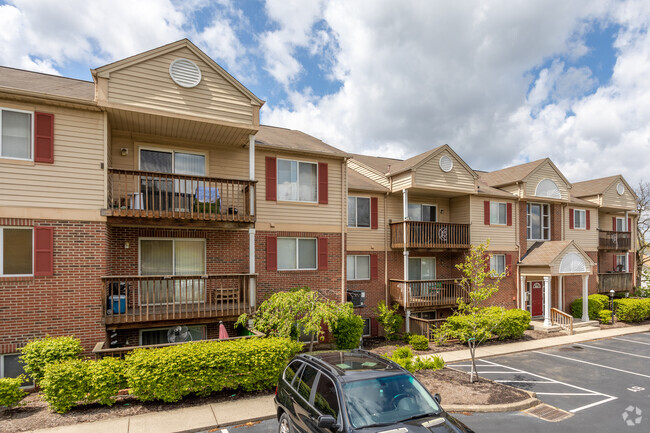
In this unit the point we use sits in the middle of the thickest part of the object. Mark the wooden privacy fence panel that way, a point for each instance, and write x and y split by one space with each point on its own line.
146 194
424 326
132 299
426 293
425 234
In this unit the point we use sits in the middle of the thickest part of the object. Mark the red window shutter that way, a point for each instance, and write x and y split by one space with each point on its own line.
43 251
322 253
509 213
43 137
570 218
508 264
271 179
486 213
374 213
629 224
374 327
587 218
629 262
614 262
322 183
613 223
374 267
271 253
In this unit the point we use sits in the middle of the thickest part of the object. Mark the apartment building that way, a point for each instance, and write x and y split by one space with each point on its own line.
152 198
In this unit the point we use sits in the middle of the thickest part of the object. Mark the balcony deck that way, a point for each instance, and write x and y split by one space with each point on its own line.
424 234
426 293
617 281
145 194
615 241
140 299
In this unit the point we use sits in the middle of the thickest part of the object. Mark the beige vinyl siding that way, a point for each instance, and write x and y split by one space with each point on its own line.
587 239
502 237
394 208
402 181
431 175
148 85
534 271
75 180
368 172
512 189
612 199
595 199
545 171
367 239
459 210
285 215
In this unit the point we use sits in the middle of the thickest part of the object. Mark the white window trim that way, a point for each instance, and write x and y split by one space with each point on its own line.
205 253
506 215
369 327
492 268
298 161
435 212
2 370
623 223
528 226
297 254
2 272
356 256
31 134
584 219
356 212
140 331
173 152
625 262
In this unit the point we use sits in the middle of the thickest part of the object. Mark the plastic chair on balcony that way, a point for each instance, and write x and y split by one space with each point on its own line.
207 199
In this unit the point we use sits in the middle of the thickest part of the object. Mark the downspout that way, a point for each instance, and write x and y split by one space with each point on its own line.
405 290
386 243
344 197
252 292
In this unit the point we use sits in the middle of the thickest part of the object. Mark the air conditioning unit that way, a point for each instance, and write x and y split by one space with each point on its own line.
357 297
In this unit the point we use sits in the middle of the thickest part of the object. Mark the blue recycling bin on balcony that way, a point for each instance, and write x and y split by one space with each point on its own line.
117 303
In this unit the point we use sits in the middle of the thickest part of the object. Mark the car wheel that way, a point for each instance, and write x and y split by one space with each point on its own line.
285 424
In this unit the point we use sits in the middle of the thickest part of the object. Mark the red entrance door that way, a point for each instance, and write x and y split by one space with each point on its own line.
536 298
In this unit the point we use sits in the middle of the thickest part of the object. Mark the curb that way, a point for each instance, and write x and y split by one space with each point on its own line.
493 408
219 427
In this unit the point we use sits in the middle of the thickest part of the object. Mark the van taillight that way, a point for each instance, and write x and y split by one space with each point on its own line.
276 390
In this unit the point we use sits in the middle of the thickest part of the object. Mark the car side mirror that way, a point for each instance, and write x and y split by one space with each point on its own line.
437 398
327 421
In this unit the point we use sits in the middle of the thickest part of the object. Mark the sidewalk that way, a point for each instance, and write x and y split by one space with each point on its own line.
217 415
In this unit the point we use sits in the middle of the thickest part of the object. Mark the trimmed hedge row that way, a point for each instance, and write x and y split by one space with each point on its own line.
491 322
632 310
595 304
37 354
169 373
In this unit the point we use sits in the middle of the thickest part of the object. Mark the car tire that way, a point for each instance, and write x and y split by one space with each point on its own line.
284 426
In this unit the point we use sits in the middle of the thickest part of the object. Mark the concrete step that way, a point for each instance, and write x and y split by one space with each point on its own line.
583 329
580 324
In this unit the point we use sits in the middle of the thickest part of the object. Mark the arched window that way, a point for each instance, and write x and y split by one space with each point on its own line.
572 263
547 188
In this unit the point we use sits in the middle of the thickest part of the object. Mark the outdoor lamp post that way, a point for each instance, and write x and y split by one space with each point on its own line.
611 303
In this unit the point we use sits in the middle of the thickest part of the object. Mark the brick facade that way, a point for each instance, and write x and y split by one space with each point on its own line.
375 288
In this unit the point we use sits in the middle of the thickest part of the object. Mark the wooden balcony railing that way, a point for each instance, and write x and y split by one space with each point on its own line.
426 293
146 194
424 234
136 299
563 319
424 326
608 240
617 281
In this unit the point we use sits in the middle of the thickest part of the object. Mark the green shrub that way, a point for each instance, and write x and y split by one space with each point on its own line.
407 337
170 373
65 383
404 357
511 323
106 379
632 310
595 303
419 342
429 363
10 392
348 330
37 354
491 322
605 316
389 319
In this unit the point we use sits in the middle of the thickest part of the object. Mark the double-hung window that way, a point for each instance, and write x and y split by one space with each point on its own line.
297 253
579 219
16 140
620 224
422 212
297 181
498 213
358 212
358 267
538 222
16 256
621 262
497 264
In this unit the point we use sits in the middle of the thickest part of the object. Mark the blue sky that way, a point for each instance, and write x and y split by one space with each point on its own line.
502 82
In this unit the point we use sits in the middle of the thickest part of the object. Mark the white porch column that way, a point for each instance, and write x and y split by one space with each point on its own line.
547 301
408 320
251 171
522 286
585 300
251 267
560 296
405 289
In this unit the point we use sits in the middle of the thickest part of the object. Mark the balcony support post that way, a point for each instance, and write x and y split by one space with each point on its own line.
547 301
251 170
585 300
408 320
251 266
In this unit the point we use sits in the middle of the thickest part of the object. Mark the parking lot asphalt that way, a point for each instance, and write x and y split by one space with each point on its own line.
600 386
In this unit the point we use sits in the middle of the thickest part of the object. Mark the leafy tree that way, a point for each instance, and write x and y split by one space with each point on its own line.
299 308
642 230
389 319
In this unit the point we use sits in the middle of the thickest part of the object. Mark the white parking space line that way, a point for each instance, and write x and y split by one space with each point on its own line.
612 350
224 430
524 381
630 341
587 392
594 364
566 393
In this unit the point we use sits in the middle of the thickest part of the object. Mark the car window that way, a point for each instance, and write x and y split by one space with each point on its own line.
306 381
325 400
291 370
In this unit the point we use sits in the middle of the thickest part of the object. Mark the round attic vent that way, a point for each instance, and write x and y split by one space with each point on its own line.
446 164
185 73
620 189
